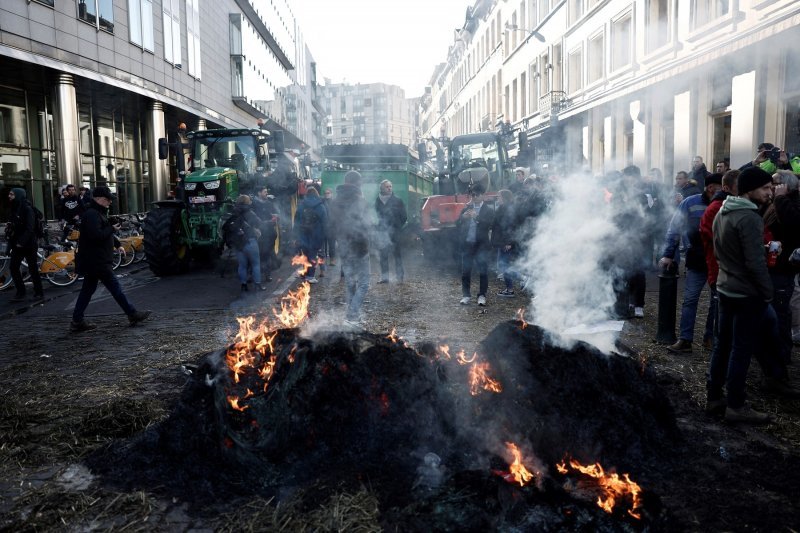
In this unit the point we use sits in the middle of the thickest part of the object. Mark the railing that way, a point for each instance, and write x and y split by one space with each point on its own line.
553 102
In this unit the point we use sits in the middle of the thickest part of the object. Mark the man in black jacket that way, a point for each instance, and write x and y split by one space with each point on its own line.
72 207
392 217
23 243
93 261
474 225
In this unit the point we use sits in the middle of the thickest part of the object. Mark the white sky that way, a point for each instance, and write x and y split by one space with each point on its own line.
398 42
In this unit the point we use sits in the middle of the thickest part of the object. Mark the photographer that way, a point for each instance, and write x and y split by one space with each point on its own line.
769 158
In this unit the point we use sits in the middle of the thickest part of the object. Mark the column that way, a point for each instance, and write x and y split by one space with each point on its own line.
682 154
743 119
67 135
159 172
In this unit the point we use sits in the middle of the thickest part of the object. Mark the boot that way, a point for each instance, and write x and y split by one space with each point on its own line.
138 316
77 327
682 346
716 407
746 415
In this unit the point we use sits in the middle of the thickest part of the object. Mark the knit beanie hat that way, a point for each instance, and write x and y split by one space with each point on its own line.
751 179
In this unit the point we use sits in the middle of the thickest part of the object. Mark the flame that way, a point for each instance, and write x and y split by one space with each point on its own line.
463 359
392 336
303 262
444 351
613 486
518 471
479 379
294 306
521 317
234 401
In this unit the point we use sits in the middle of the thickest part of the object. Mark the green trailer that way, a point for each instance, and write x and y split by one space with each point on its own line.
397 163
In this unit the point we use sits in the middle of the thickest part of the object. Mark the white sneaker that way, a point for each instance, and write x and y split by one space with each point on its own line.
638 312
465 300
312 280
482 301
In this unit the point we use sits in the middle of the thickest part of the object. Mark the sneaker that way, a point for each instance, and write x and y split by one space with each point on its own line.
465 300
382 281
138 316
482 300
77 327
716 407
506 293
746 415
311 280
638 312
780 387
260 287
682 346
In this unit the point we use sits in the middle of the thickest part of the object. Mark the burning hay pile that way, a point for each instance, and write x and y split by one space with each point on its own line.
522 432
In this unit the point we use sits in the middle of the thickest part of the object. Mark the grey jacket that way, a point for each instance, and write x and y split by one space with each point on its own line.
739 249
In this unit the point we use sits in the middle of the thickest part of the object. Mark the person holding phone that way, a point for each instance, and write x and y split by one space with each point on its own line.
474 226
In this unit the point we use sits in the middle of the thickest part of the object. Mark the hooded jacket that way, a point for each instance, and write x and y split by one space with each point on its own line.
23 222
351 221
685 224
314 238
739 249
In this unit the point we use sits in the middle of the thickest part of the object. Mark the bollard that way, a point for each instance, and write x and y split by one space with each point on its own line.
667 305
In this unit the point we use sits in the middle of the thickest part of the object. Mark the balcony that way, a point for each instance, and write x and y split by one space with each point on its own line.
553 102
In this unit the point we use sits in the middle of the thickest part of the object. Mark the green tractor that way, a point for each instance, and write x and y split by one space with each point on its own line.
221 165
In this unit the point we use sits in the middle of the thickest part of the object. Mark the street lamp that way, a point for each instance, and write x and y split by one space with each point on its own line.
539 37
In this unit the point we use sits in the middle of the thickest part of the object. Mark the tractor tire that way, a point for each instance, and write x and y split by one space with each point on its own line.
163 249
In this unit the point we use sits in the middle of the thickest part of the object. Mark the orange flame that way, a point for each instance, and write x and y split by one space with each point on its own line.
302 261
234 401
462 358
294 306
613 486
479 379
392 336
518 471
521 317
444 350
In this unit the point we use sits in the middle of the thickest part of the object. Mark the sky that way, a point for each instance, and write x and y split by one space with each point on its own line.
398 42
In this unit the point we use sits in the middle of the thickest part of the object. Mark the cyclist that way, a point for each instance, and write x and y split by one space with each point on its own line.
72 207
23 244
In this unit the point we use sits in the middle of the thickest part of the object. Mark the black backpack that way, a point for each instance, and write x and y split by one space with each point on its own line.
309 219
40 223
233 232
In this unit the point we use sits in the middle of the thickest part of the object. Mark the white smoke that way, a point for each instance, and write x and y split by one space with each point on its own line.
566 261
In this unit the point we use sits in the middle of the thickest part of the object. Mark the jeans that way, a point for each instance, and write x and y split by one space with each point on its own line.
746 326
356 273
111 283
311 257
473 252
29 254
783 285
695 281
397 251
248 257
504 261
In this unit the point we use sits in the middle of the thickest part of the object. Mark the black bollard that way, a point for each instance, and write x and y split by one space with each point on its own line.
667 305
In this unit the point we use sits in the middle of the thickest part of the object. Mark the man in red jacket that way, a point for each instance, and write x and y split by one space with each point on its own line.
707 221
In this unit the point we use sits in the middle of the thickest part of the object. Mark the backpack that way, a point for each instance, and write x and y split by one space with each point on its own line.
233 232
39 222
309 219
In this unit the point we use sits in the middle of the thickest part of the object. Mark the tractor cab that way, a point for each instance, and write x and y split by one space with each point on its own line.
472 159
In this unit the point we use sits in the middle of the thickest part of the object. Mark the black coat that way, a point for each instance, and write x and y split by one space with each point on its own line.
391 215
96 243
23 227
485 220
504 226
351 221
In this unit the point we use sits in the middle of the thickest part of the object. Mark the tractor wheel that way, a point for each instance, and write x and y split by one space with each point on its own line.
163 249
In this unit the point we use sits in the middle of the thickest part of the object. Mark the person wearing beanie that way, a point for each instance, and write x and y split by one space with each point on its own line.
745 292
93 261
23 244
351 222
685 227
241 233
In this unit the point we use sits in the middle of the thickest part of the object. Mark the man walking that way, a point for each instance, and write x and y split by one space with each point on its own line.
745 291
23 243
392 217
350 218
93 261
474 225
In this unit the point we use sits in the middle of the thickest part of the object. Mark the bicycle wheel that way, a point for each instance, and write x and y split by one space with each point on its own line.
130 255
5 272
62 276
116 260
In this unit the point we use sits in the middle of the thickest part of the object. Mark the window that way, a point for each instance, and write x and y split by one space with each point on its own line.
621 42
596 58
193 36
544 9
705 11
575 10
172 31
344 130
50 3
657 23
98 13
140 20
534 88
544 69
575 66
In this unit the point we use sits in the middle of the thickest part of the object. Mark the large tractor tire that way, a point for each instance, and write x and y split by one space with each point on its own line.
163 249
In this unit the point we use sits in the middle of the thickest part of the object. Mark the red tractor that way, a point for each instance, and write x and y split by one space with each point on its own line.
474 158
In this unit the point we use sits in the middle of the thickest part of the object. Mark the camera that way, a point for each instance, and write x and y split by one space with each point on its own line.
774 155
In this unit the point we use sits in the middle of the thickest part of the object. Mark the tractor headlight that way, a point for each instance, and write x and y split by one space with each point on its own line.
189 186
211 185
